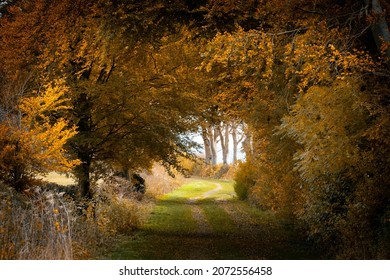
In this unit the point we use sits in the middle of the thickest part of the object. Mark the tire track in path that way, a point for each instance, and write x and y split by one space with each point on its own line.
204 220
204 227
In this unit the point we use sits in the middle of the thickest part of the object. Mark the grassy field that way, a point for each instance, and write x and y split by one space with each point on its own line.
59 179
204 220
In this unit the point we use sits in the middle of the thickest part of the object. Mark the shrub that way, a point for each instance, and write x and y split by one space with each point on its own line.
158 182
245 179
124 215
37 227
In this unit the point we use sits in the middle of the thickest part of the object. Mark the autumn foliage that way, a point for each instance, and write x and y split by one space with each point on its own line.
314 99
33 138
94 87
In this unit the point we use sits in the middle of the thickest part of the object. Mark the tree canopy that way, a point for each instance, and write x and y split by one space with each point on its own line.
96 85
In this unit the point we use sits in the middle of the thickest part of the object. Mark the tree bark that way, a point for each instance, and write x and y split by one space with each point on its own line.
206 146
224 138
237 138
380 28
235 142
213 149
82 146
84 175
227 140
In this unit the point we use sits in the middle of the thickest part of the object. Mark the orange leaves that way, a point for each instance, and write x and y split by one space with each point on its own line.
317 57
326 121
36 144
240 54
40 107
239 65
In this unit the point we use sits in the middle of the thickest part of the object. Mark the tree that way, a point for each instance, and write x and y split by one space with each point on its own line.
224 133
144 117
308 74
210 136
34 135
129 100
380 28
238 135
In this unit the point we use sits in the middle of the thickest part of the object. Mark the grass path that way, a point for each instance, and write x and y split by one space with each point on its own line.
204 220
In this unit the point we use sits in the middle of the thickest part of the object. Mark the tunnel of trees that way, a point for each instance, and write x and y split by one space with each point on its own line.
304 85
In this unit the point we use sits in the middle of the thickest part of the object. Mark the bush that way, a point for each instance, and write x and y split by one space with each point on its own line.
245 179
158 182
124 216
37 227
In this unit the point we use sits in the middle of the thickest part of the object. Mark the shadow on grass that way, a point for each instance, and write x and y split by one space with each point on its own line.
149 245
172 233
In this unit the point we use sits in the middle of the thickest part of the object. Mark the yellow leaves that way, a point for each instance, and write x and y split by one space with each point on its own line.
314 62
43 135
245 51
326 122
57 226
37 142
248 84
39 107
45 144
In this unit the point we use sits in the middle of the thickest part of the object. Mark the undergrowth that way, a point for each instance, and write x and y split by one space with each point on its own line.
50 221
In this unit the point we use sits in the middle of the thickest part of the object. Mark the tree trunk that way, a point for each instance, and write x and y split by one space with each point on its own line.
84 175
81 144
226 149
380 28
235 142
237 137
206 145
224 138
213 138
126 173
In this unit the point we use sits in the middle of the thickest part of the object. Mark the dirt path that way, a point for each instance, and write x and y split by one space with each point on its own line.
204 220
198 215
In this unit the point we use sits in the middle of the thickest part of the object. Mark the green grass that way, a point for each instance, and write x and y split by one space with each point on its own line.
172 233
171 217
220 220
190 190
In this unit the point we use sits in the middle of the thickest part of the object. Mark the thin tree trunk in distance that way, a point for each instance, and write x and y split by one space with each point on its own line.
206 145
212 137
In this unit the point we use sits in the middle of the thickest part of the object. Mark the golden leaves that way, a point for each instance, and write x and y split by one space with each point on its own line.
321 121
37 142
240 53
317 58
39 108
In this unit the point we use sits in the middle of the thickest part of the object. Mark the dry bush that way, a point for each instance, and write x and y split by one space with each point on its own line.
217 171
204 170
117 209
35 228
49 223
189 165
123 216
221 171
231 173
159 182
